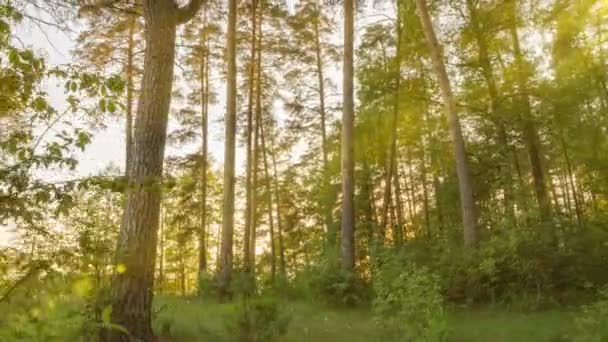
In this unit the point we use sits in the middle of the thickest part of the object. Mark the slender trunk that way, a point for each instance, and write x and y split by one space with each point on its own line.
331 229
348 127
248 187
531 138
425 196
256 154
282 266
225 269
273 262
132 289
465 184
575 195
399 204
392 157
202 256
129 113
161 264
503 139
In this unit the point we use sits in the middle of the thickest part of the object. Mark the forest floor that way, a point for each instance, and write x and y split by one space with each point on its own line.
205 320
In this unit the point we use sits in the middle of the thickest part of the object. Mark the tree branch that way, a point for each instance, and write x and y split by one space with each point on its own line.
184 14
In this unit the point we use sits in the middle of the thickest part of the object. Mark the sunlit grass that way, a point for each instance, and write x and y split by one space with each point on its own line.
206 320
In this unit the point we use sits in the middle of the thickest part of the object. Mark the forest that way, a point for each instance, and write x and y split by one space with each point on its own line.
303 170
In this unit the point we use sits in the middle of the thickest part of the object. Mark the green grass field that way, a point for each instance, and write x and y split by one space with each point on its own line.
205 320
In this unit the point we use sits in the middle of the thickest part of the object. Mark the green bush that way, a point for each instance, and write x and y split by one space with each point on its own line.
592 323
408 301
259 320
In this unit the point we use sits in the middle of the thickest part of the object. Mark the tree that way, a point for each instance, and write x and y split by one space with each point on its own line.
132 286
225 263
465 184
348 127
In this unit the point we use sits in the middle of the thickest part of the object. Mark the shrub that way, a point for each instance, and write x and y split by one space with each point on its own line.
408 301
259 320
592 324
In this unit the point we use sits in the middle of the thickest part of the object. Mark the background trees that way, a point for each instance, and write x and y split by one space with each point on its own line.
505 199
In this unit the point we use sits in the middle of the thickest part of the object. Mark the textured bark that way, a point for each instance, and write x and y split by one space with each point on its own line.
465 184
348 127
132 285
225 269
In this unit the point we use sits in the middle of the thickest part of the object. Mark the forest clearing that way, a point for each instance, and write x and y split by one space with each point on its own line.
303 170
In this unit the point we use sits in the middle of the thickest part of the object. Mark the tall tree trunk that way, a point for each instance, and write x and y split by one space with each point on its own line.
202 256
503 139
248 187
392 157
256 154
282 266
129 114
273 261
348 127
133 283
225 269
465 184
531 138
331 229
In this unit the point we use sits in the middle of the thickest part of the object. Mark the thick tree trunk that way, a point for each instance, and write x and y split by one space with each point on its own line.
348 127
465 184
132 286
225 269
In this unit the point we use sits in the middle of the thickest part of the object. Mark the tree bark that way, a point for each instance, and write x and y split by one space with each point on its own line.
133 283
348 127
465 184
225 269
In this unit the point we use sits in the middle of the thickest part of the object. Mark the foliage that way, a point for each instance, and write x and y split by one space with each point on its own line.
408 301
259 319
592 321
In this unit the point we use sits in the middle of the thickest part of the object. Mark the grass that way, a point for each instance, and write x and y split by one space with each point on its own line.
205 320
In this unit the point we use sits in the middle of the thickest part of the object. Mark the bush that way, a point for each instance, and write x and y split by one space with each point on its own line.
330 285
592 324
408 301
259 319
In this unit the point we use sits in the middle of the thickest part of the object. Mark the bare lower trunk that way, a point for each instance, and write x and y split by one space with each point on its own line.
225 269
348 127
282 266
132 286
465 184
129 114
